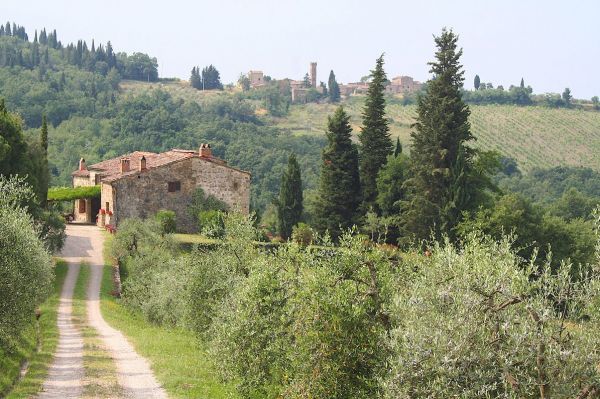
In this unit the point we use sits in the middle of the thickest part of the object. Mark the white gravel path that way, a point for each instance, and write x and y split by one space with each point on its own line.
84 244
66 371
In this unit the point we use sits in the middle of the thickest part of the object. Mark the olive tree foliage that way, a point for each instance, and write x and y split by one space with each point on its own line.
307 323
25 264
478 322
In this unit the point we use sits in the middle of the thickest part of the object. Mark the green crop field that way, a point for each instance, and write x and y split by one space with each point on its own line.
534 136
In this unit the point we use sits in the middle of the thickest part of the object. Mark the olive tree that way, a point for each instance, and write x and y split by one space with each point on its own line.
25 264
480 322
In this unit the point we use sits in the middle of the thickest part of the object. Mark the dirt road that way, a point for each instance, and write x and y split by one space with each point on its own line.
84 244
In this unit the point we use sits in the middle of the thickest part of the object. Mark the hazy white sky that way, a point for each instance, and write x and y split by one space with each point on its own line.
552 44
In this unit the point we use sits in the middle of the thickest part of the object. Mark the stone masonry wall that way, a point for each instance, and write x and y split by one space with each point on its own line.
145 193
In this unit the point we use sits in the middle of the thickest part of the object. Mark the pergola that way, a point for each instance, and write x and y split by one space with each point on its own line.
84 196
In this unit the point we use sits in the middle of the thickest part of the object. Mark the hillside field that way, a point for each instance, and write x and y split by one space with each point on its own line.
534 136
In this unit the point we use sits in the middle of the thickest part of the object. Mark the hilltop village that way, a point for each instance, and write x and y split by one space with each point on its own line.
300 89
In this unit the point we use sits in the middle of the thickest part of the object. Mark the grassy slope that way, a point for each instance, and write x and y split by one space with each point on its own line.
38 361
179 361
534 136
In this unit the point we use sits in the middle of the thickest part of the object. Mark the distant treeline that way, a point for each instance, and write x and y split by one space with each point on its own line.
45 50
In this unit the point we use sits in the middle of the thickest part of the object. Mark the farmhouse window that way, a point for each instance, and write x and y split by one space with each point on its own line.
174 186
81 206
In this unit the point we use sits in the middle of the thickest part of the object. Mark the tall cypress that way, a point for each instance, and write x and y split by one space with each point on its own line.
339 186
44 178
398 148
442 162
290 202
375 141
334 88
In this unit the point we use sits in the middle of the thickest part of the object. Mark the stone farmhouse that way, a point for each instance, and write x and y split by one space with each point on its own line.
142 183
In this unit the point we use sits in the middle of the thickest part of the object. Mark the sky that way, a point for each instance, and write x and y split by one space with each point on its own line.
551 44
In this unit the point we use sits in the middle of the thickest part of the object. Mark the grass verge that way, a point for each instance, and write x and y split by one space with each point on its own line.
39 360
178 359
100 379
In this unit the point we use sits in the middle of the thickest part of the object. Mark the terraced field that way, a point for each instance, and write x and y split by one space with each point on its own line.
534 136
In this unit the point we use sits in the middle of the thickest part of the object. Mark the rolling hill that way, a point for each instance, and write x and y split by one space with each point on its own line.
534 136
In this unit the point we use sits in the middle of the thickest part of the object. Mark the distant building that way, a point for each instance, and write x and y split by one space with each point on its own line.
353 88
313 74
298 87
402 84
398 85
256 78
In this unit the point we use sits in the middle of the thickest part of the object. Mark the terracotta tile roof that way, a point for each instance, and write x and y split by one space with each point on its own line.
81 173
110 169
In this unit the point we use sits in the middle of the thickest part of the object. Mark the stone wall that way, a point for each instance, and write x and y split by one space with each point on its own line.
107 202
145 193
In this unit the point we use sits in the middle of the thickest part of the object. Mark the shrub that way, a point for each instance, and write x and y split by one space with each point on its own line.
166 221
25 264
473 323
211 223
302 234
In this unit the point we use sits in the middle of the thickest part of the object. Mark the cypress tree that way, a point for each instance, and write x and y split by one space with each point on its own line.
398 149
306 81
44 178
290 202
442 163
522 83
7 29
477 82
375 141
334 88
339 186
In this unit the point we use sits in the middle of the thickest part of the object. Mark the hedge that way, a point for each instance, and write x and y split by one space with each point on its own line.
73 193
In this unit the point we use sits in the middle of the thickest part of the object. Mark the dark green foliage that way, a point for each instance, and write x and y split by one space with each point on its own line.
535 229
211 79
339 187
390 181
44 176
567 97
196 79
546 186
306 81
398 148
573 204
596 102
290 202
488 95
476 82
48 51
13 148
375 141
522 85
334 88
166 220
441 186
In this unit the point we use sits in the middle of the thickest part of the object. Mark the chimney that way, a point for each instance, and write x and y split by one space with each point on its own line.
124 165
205 151
142 163
82 164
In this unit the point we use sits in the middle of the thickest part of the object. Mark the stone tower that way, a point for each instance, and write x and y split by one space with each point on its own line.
313 74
